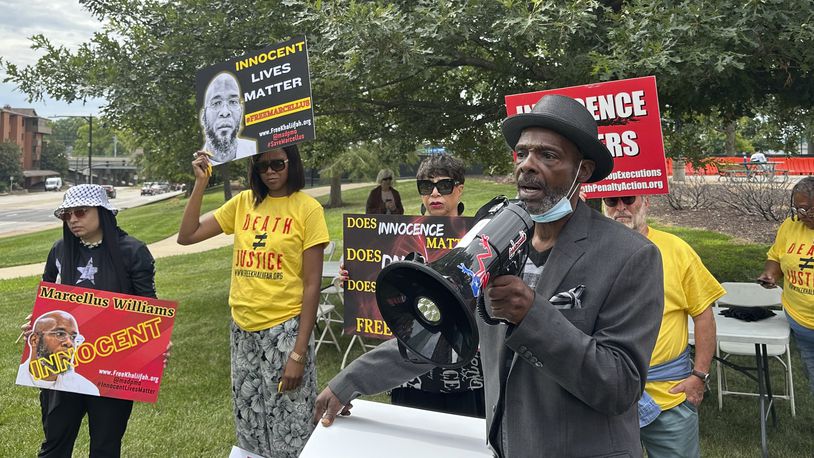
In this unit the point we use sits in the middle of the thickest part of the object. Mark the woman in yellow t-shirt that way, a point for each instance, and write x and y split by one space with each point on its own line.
280 233
792 259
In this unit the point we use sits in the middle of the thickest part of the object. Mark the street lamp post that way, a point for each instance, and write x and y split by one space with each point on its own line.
89 118
90 149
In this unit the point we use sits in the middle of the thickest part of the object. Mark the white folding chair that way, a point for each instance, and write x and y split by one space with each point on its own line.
327 315
752 295
329 251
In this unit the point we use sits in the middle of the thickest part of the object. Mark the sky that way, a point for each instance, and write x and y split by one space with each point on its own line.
65 23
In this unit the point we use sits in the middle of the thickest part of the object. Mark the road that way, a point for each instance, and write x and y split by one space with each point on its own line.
22 213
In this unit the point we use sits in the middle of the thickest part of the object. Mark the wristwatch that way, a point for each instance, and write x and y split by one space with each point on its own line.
702 375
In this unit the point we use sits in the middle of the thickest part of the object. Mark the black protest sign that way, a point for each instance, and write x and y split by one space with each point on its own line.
256 102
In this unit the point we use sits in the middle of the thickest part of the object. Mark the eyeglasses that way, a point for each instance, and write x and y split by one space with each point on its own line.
804 212
614 201
444 186
387 179
80 212
62 336
275 164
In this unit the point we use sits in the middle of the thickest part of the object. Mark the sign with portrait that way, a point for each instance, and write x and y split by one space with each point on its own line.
373 241
96 342
256 102
627 114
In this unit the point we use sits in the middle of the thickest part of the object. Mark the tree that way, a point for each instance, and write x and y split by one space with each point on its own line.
64 131
409 72
105 139
11 158
711 57
54 157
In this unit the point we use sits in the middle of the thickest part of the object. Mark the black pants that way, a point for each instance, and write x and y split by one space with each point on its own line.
62 414
469 403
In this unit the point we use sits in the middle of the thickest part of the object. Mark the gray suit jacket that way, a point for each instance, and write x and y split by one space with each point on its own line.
564 382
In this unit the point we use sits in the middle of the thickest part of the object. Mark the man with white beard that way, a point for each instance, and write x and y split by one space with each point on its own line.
221 118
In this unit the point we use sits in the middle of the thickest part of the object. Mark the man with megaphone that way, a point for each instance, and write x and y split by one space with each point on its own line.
567 360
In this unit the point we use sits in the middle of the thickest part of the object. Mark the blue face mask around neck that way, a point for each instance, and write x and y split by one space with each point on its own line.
562 208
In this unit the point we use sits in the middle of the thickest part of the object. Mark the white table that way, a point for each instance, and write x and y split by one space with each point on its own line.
376 430
771 331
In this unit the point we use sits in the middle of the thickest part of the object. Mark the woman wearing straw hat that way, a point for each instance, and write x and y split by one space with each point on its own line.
92 253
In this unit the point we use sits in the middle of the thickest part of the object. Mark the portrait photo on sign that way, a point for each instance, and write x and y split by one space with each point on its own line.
51 364
222 120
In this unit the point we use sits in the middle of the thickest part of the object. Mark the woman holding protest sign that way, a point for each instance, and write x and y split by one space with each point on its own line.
280 233
440 183
92 253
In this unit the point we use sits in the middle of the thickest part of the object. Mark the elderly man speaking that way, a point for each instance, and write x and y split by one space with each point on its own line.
564 374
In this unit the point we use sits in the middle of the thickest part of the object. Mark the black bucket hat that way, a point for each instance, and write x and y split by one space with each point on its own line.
568 118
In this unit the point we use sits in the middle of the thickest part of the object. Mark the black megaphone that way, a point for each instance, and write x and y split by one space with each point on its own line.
431 308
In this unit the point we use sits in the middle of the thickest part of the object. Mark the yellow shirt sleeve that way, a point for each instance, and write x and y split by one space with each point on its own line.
225 215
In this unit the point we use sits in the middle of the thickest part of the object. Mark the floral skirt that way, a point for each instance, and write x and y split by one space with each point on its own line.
269 423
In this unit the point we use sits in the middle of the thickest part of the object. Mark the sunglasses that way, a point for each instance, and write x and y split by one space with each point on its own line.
275 164
444 186
80 212
614 201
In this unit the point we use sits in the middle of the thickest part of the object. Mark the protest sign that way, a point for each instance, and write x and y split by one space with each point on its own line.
374 241
96 342
256 102
627 114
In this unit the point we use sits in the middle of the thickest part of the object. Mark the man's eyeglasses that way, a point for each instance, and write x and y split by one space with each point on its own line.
387 179
80 212
444 186
614 201
804 212
62 336
275 164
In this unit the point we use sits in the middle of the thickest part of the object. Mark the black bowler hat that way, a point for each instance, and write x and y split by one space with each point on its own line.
568 118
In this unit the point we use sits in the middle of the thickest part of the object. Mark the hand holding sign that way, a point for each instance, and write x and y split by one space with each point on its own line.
201 166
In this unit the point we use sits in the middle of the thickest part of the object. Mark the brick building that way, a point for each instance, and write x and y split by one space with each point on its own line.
25 128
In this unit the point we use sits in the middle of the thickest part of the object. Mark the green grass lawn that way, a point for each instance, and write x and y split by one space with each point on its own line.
193 416
148 223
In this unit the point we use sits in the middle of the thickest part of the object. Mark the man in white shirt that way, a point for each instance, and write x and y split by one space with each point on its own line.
52 341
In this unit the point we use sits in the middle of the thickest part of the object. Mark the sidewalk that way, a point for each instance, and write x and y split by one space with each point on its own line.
168 246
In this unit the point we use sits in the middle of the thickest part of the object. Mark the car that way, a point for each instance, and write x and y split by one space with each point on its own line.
110 190
160 187
53 184
147 188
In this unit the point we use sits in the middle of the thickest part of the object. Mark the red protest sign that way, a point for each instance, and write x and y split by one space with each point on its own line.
97 342
627 114
374 241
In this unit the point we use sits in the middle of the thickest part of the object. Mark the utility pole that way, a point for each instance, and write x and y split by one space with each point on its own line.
90 149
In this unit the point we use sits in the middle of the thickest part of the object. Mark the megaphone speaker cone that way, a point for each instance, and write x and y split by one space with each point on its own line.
427 314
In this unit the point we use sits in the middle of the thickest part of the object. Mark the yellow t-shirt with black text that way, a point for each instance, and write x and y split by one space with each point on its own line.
689 289
794 249
267 271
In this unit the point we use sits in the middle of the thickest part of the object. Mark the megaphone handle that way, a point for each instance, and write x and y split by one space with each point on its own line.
481 306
